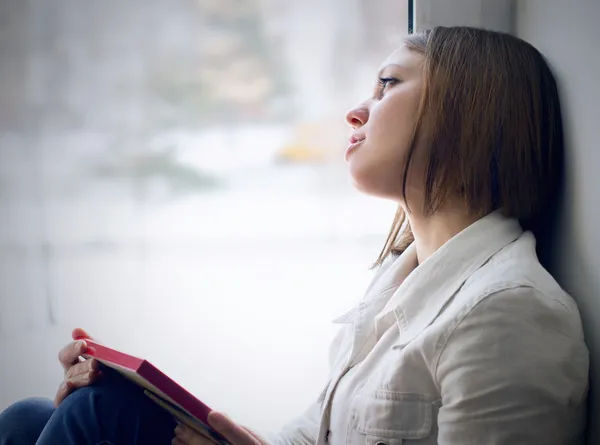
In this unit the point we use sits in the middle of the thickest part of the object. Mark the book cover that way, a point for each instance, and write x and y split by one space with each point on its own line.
159 387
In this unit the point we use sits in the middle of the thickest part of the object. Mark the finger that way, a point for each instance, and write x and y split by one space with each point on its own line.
233 433
255 435
64 390
178 441
81 380
91 365
78 334
72 383
69 355
190 437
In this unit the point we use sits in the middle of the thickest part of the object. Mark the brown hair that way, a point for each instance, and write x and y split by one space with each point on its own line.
489 122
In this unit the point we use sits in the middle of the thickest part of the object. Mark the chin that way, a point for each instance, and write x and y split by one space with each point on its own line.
369 184
370 180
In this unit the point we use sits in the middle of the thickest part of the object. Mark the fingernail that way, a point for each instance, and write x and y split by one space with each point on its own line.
216 419
80 344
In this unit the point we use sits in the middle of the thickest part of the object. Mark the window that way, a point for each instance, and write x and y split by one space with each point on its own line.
172 180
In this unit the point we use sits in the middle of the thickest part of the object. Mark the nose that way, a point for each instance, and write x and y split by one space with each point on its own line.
357 116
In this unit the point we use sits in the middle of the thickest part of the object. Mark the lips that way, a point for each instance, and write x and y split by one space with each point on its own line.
355 141
356 138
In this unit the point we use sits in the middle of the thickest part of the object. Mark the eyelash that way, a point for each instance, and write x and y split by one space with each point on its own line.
384 82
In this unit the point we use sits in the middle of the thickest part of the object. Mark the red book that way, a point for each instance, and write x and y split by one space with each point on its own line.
158 386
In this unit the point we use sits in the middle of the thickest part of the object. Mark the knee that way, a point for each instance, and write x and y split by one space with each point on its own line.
98 403
23 422
112 411
97 399
84 405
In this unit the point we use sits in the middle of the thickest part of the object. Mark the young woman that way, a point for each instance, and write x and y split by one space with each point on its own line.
462 337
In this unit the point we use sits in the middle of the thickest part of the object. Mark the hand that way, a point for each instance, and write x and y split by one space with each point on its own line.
77 373
231 431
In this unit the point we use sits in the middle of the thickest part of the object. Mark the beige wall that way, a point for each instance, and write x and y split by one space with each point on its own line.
490 14
567 33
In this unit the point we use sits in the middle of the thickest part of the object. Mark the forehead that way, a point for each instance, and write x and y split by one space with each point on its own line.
405 59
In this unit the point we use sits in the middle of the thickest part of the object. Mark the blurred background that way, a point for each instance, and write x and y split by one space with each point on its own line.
172 180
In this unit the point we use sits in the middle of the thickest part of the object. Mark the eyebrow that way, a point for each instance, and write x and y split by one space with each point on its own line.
402 68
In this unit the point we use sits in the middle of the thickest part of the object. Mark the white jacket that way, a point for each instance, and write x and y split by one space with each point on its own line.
478 345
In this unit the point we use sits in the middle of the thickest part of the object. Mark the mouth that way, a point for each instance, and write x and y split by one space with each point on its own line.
355 141
355 138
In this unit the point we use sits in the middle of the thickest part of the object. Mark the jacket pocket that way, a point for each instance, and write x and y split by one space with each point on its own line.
384 417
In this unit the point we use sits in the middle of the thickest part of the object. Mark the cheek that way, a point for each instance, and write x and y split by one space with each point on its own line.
393 122
377 168
376 172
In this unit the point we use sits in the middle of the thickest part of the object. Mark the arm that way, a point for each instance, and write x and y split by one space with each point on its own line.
300 432
514 370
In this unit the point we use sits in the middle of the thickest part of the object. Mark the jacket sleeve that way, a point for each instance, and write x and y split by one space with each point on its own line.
513 371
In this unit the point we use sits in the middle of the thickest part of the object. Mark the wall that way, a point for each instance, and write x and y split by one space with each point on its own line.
567 33
489 14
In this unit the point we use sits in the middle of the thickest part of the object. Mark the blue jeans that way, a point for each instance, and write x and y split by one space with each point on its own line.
110 412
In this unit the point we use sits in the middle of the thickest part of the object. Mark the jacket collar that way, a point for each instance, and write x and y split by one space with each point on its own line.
421 295
390 275
425 292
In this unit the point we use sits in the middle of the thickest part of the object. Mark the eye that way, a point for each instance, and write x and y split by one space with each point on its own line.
383 83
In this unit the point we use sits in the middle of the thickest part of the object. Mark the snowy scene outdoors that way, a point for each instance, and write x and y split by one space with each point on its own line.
172 180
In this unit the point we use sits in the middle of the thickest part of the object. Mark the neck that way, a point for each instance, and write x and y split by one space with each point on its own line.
434 231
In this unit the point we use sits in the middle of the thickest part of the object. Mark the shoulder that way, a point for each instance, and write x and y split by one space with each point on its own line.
513 311
515 276
522 316
516 360
520 328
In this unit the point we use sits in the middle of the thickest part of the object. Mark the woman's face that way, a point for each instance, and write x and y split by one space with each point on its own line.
382 129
